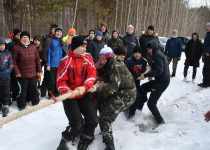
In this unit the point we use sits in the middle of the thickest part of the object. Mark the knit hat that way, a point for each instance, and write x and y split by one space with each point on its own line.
208 24
149 45
77 41
99 33
175 31
37 37
58 28
72 30
106 52
16 31
2 41
52 25
91 31
130 27
119 51
151 27
24 33
137 49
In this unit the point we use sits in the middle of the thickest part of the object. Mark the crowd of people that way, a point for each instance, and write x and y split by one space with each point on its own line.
102 72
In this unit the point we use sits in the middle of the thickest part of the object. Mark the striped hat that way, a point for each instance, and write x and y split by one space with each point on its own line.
130 27
106 52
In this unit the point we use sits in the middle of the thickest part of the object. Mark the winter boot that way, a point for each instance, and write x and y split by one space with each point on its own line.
5 110
43 90
110 145
185 79
172 75
160 121
63 144
193 81
84 142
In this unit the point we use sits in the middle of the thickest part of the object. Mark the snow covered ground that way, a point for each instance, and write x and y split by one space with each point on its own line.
182 105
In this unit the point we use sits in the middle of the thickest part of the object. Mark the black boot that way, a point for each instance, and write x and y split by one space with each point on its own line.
160 121
63 144
84 142
5 111
110 145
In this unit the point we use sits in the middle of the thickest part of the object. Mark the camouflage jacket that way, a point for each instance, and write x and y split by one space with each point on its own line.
121 80
114 43
106 37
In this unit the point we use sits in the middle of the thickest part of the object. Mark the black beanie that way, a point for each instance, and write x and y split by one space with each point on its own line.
37 37
137 49
149 45
24 33
151 27
119 51
92 31
77 41
16 31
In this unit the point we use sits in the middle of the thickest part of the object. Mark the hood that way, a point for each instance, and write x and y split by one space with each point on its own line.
2 41
146 33
53 25
155 45
195 33
116 31
104 24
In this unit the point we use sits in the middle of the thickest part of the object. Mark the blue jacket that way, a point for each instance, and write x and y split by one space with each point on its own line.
206 45
136 67
6 63
55 53
173 47
130 41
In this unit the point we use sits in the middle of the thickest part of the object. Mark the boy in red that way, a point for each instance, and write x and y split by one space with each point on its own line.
77 72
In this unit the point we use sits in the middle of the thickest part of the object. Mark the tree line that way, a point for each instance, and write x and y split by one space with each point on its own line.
36 16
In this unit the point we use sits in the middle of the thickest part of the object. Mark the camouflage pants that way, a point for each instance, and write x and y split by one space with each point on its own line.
175 62
109 109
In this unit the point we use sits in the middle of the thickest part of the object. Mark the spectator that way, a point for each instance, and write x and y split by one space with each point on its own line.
51 34
130 41
6 66
173 51
115 41
68 38
106 35
90 38
26 67
193 53
96 45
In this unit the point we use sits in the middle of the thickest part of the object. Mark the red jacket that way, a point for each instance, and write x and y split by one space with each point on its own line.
26 61
74 71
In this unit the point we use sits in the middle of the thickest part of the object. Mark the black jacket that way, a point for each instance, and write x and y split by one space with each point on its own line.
95 47
143 40
47 46
160 67
192 58
13 43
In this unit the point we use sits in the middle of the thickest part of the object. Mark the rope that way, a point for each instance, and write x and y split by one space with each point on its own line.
24 112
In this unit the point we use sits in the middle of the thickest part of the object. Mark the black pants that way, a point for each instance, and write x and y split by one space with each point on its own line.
194 71
140 100
156 89
13 86
206 70
51 82
27 88
73 109
5 91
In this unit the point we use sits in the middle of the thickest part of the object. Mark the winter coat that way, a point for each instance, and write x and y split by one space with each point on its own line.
143 40
115 42
130 41
160 67
74 71
192 58
47 46
173 47
121 81
40 50
88 43
136 67
55 53
95 47
6 63
206 45
26 60
12 43
67 39
106 35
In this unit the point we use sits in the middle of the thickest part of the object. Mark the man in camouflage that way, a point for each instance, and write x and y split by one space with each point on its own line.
106 35
117 94
115 41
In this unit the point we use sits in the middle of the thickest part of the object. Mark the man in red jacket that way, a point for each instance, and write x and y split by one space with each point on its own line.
77 72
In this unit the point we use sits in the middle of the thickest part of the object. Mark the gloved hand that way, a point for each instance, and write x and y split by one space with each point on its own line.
1 75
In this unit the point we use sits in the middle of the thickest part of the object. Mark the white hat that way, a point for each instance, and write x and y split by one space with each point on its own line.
208 24
106 52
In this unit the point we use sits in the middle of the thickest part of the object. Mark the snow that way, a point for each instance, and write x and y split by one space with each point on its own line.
182 105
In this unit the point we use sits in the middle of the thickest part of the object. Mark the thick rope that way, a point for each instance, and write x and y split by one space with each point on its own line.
24 112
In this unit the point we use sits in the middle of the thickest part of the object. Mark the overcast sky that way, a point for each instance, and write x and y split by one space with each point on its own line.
198 3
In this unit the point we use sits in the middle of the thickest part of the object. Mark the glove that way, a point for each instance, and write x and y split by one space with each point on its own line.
1 75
